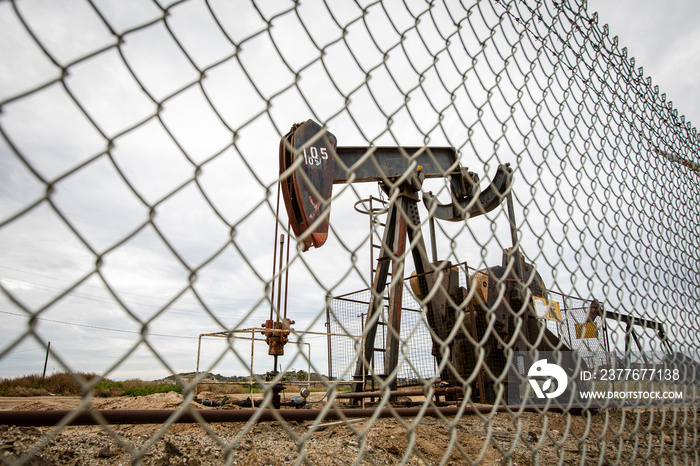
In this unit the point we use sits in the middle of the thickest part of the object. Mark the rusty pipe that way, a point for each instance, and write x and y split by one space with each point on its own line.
154 416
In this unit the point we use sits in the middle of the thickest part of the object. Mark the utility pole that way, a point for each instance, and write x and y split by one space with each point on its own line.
46 361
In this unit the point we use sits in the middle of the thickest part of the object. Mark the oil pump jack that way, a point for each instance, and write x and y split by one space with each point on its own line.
500 314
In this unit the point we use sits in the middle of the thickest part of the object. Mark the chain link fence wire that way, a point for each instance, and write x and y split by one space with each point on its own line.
141 208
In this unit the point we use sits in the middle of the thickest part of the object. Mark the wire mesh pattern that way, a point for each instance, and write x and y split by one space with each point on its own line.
348 312
140 208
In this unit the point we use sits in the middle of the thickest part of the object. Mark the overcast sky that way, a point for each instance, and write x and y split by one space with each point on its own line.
48 265
664 37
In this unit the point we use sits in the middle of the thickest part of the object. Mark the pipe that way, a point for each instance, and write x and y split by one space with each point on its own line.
274 254
199 352
279 283
154 416
286 270
433 240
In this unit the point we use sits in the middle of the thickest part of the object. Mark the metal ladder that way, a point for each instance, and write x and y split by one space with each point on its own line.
374 207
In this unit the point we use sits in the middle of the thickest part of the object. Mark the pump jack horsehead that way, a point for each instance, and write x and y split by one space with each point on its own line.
311 163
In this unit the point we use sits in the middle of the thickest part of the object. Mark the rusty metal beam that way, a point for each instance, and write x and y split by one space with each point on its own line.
393 342
393 162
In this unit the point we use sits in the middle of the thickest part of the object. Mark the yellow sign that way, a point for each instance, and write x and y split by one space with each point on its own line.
586 330
546 310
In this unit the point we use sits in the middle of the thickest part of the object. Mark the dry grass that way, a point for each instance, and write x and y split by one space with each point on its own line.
61 383
68 384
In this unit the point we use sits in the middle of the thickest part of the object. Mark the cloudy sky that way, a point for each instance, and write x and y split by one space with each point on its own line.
152 201
664 37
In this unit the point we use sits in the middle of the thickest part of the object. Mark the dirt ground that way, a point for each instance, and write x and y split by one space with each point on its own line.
629 436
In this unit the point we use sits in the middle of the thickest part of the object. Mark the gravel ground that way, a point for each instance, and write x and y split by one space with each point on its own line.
608 437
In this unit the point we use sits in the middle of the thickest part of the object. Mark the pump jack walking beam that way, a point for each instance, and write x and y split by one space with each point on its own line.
311 162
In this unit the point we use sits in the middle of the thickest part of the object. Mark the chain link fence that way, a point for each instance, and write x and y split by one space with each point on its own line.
152 192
